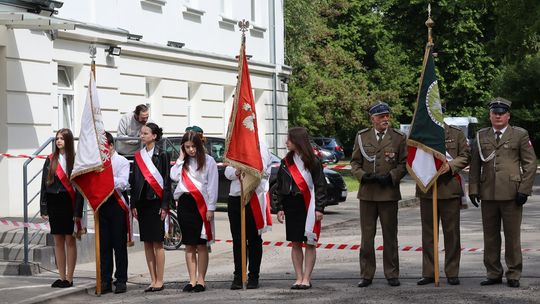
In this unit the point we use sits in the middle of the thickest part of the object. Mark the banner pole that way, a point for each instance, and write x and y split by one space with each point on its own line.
98 255
435 236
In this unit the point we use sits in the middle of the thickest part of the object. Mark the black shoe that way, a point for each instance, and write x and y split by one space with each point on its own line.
236 283
453 280
57 283
149 289
302 286
252 283
66 284
364 283
296 286
489 281
425 281
188 288
120 287
394 282
199 288
154 289
512 283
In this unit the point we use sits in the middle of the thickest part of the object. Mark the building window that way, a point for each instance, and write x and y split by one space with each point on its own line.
65 97
226 8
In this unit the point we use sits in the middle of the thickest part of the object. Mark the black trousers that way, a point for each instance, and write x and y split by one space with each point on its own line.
113 237
254 240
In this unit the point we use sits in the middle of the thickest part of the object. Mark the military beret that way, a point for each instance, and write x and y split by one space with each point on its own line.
500 105
379 107
196 129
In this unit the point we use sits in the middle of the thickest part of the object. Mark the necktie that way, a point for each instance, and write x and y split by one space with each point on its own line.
498 133
380 135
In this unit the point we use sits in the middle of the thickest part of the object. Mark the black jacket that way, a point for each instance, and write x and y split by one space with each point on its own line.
55 188
286 186
138 183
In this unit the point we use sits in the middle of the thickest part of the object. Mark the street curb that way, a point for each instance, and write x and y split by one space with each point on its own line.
409 202
50 297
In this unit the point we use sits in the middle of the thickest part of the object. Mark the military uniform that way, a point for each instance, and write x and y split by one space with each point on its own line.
380 160
449 193
501 176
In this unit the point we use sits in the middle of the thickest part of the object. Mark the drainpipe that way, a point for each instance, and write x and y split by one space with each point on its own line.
274 75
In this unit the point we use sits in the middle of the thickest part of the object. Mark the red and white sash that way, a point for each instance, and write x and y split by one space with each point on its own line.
304 181
194 187
128 216
260 207
150 172
79 227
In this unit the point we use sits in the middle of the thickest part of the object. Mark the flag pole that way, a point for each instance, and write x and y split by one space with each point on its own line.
430 23
96 212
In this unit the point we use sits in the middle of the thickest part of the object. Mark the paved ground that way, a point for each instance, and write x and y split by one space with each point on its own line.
335 276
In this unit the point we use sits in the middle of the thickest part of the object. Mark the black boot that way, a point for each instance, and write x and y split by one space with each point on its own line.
253 282
236 283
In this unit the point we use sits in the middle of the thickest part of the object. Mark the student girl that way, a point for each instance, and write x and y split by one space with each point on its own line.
196 193
150 198
62 205
301 193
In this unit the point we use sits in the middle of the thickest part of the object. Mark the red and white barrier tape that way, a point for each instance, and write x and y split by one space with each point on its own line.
8 155
339 167
331 246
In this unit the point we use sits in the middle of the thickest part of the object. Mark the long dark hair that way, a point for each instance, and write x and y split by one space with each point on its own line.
200 154
69 154
299 137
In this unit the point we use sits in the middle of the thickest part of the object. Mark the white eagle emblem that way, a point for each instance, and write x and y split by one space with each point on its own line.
248 122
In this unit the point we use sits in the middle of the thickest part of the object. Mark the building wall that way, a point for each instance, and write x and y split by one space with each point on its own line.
193 85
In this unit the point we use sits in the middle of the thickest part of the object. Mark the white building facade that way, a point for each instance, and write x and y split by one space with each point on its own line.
45 66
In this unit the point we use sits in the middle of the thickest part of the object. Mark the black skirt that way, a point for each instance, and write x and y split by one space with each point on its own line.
60 211
151 227
190 219
295 218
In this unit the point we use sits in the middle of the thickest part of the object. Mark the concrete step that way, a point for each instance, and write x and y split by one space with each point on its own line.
41 254
11 268
16 236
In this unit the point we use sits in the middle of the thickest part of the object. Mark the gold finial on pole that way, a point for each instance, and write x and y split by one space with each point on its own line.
430 24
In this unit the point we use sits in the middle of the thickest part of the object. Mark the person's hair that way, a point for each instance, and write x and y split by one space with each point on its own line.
110 139
299 137
155 130
140 108
69 154
200 154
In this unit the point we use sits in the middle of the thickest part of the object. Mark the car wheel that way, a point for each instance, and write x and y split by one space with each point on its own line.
173 237
273 199
336 160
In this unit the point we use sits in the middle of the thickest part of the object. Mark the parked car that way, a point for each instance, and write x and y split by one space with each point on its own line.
215 147
325 155
331 144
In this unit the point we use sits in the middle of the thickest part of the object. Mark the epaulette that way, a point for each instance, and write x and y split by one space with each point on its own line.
398 132
484 130
520 129
363 131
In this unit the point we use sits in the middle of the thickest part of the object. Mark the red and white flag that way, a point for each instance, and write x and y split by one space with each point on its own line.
242 148
92 171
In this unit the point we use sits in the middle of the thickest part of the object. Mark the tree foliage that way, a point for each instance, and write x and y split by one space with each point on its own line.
346 54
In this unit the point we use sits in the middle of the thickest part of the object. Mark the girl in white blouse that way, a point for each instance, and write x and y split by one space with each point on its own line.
196 193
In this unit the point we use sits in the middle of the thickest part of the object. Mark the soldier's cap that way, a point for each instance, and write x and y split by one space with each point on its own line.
500 105
195 129
378 108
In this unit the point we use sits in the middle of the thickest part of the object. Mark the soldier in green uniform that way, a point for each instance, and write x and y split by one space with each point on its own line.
378 161
449 194
503 165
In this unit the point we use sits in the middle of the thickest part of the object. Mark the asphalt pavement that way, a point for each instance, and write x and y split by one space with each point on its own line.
335 276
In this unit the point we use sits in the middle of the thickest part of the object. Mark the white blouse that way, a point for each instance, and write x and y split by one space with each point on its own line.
207 177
